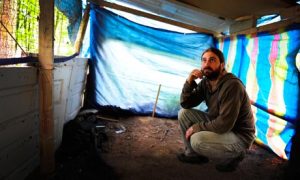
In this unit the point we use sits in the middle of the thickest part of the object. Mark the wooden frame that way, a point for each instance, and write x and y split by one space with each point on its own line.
154 17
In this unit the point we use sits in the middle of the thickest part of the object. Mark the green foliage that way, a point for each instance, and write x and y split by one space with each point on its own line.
1 6
62 43
27 31
27 24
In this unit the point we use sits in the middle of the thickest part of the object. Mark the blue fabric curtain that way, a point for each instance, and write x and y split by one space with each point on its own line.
72 9
129 61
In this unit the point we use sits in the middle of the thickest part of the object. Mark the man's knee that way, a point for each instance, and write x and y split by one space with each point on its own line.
182 114
204 143
198 140
201 143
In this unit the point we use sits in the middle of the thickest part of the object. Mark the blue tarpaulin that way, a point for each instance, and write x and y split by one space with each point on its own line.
129 61
72 9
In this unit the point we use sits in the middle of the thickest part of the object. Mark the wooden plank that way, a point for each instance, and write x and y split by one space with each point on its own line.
269 27
106 119
82 29
242 25
46 37
290 12
154 17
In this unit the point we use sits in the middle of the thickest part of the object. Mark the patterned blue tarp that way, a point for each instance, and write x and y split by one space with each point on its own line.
129 61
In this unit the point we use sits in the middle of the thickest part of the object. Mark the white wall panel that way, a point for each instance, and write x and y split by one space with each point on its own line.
69 84
76 88
19 112
19 122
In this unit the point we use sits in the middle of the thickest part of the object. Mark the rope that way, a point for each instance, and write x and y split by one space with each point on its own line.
13 38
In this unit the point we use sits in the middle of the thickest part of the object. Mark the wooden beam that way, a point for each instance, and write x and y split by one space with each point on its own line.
290 12
154 17
46 38
269 27
82 29
241 25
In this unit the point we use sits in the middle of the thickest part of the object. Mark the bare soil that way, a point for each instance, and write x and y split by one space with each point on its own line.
141 148
148 148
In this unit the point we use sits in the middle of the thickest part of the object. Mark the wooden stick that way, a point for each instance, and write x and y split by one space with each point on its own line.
107 119
82 29
154 108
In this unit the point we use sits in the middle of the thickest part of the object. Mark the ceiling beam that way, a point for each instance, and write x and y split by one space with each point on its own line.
270 27
154 17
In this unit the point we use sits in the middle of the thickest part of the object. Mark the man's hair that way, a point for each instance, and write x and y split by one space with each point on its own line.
216 52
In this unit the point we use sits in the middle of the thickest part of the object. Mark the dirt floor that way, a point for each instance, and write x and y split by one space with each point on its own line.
141 148
148 147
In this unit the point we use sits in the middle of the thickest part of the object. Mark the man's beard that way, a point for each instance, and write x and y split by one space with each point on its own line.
212 75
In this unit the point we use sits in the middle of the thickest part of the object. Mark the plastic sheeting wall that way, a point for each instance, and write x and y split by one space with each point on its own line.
19 113
267 64
129 61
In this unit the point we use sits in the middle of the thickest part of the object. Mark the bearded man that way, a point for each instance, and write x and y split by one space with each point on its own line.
226 129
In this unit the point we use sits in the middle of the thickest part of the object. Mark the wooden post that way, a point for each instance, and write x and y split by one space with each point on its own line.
154 108
82 28
46 37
